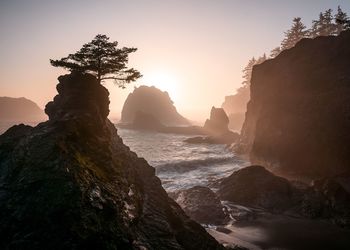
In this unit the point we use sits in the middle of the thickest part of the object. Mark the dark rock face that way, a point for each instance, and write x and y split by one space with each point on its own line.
297 120
202 205
257 187
218 122
71 183
152 101
254 186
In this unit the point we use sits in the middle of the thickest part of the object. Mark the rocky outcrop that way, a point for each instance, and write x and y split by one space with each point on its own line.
152 101
297 120
217 129
202 205
71 183
217 124
256 187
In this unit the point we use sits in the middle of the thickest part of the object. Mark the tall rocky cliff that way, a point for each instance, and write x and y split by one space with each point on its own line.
71 183
152 101
298 118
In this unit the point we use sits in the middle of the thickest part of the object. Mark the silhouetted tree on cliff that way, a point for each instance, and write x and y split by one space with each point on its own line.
342 21
295 34
102 59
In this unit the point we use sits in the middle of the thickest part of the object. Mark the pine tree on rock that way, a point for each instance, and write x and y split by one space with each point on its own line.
275 52
342 21
295 34
103 59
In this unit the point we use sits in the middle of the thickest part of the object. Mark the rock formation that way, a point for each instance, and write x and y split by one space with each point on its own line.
235 107
71 183
297 120
202 205
254 186
217 124
152 101
217 129
257 187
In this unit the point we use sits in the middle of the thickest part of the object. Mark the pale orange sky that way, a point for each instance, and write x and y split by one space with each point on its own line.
195 50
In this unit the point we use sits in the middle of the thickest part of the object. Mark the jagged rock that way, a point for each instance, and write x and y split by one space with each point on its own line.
217 123
71 183
297 121
152 101
255 186
217 129
202 205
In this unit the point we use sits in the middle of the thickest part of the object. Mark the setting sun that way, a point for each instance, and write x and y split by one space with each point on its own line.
164 80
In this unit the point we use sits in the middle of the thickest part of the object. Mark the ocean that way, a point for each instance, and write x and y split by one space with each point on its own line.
181 165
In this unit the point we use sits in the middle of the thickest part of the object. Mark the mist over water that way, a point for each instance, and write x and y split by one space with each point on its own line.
181 165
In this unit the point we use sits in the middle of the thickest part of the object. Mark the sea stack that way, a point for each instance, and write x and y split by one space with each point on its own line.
71 183
152 101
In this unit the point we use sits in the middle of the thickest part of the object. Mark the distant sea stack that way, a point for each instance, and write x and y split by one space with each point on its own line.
152 101
297 119
235 107
71 183
19 109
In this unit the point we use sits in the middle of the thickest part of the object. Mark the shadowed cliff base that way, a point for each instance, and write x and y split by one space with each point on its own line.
71 183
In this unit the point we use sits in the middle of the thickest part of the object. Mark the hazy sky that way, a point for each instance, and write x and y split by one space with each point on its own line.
193 49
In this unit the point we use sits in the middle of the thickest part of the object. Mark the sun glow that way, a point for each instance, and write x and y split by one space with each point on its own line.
164 80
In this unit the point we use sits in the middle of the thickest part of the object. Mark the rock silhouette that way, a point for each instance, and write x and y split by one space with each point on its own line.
297 121
71 183
152 101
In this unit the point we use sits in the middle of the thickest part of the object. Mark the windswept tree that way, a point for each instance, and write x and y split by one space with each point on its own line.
103 59
294 34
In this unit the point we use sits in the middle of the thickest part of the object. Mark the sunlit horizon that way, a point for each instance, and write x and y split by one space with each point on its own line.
193 50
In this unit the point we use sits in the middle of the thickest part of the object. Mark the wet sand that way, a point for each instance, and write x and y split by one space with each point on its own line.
283 232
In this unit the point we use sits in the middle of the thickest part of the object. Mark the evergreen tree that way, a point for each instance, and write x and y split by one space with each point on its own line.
102 59
328 25
317 26
295 34
275 52
342 21
247 71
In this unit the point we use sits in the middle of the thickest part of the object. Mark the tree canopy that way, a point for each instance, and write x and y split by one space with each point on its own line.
103 59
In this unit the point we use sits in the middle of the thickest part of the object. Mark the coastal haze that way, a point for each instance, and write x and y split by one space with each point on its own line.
195 50
177 125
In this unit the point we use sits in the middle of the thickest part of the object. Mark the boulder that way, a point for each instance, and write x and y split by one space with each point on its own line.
202 205
254 186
